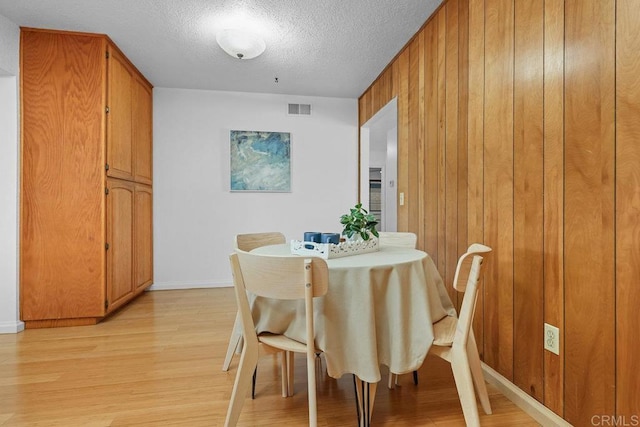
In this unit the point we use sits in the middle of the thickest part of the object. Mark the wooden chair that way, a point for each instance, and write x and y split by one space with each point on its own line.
454 340
248 242
392 238
287 278
405 240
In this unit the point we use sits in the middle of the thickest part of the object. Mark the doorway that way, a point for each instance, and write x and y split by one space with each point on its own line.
379 166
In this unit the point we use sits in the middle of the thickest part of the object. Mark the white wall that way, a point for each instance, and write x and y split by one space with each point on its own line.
9 184
195 214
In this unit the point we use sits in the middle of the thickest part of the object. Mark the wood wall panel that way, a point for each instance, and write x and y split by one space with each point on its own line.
627 209
475 191
544 169
498 185
421 175
463 113
413 194
441 19
589 209
528 280
403 137
554 197
451 145
430 161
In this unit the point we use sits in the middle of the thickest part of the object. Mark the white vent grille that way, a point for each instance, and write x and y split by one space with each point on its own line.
299 109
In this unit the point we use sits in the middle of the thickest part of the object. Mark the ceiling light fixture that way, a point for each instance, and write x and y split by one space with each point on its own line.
240 44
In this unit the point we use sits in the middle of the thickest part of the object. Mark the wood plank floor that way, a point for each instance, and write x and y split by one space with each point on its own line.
157 362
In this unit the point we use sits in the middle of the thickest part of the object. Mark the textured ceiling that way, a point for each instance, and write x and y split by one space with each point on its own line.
315 47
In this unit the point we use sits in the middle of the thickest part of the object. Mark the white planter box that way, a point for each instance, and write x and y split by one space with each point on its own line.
330 250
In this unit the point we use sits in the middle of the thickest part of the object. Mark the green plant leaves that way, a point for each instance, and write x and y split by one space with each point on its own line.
359 221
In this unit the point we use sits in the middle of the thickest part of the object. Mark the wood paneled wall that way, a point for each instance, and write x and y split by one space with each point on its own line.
519 127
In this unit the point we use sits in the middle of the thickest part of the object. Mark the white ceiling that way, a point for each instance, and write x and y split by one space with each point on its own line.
315 47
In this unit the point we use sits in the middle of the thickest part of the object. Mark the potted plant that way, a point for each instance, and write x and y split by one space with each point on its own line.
359 222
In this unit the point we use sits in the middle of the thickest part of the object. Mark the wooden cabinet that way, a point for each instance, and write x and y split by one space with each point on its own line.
120 238
86 196
143 236
141 132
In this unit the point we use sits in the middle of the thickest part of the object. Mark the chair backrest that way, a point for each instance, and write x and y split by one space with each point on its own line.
466 280
390 238
283 277
248 242
277 277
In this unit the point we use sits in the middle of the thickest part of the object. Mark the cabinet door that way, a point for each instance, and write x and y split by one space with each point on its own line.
119 89
143 231
120 238
142 130
62 270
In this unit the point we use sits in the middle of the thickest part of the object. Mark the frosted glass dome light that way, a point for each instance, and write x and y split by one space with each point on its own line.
241 44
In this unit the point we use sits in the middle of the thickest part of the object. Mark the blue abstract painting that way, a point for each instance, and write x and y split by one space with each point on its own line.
260 161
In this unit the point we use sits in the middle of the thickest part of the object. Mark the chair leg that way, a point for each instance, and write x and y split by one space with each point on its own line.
415 377
248 363
234 341
290 372
476 373
253 383
284 374
464 384
311 381
393 380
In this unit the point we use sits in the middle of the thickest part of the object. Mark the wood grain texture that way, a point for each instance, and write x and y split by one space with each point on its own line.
143 237
475 192
157 362
430 162
554 198
413 196
589 209
463 125
627 208
120 237
141 136
420 172
403 139
451 147
362 109
498 186
62 210
528 271
120 155
61 323
440 260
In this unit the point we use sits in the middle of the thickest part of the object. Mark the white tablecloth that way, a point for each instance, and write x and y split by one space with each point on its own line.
378 311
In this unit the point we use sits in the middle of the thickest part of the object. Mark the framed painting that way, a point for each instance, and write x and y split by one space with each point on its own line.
260 161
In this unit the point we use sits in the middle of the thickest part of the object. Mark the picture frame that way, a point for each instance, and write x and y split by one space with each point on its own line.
260 161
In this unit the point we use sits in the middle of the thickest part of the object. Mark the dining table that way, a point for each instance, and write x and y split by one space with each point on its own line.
378 311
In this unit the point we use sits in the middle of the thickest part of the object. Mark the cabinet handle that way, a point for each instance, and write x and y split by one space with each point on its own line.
107 110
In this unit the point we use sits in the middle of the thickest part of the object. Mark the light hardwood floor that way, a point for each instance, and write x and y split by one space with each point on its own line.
157 362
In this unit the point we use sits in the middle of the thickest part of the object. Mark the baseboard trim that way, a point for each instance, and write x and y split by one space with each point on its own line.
169 286
11 327
528 404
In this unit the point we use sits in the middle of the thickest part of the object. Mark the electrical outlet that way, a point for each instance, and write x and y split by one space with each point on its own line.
551 338
401 199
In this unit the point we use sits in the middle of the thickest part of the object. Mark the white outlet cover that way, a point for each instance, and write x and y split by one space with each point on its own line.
552 338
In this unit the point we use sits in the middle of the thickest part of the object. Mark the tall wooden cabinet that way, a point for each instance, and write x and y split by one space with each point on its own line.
86 198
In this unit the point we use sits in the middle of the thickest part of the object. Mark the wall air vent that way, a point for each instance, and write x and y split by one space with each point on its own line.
299 109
